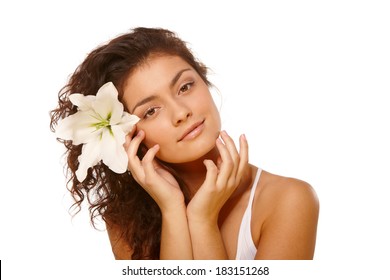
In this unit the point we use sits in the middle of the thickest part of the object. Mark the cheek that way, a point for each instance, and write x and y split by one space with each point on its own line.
153 135
166 146
150 139
211 110
204 97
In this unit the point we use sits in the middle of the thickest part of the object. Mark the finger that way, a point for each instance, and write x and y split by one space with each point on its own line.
228 142
231 147
212 172
227 165
219 162
134 164
134 144
129 136
148 165
150 154
244 158
133 131
127 142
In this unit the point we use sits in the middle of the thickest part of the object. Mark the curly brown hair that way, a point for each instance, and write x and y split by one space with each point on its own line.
118 198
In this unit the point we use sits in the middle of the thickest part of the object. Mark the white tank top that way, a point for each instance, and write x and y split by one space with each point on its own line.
246 249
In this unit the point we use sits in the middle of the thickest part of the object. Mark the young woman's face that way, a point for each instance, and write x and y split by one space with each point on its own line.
175 107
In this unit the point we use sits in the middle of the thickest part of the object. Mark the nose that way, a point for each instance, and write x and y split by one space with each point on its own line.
180 112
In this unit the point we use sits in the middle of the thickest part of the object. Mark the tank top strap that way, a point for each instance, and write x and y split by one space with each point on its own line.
246 249
253 190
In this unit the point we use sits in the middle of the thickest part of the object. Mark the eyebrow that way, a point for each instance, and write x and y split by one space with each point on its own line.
177 76
144 101
153 97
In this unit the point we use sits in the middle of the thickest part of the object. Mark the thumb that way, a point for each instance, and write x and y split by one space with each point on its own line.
212 172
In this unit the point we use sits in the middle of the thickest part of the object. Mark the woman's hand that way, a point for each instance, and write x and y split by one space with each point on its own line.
221 180
157 181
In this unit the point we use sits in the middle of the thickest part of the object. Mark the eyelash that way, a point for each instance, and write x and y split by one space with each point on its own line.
152 110
187 86
148 111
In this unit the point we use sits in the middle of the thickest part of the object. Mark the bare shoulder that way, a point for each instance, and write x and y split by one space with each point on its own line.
285 192
287 210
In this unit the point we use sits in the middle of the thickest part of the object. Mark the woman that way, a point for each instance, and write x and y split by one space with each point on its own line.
189 192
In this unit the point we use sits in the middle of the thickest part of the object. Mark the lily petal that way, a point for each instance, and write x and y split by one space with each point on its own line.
114 154
78 127
128 121
90 156
116 113
83 102
107 104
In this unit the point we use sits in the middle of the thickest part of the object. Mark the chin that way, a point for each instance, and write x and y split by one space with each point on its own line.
190 153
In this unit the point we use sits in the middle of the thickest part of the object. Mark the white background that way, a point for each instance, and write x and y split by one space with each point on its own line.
306 81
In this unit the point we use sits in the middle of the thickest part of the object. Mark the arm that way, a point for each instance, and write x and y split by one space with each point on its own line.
203 210
175 236
290 231
174 227
166 192
207 241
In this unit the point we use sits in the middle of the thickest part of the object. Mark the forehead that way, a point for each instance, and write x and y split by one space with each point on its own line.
157 67
152 77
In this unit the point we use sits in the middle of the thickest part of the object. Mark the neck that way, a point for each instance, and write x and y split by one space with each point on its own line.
194 173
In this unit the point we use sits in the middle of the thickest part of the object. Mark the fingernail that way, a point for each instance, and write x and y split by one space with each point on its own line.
243 137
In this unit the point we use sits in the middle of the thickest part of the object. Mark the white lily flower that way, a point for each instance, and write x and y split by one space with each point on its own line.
101 125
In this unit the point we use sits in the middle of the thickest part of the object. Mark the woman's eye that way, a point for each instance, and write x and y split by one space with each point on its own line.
150 112
186 87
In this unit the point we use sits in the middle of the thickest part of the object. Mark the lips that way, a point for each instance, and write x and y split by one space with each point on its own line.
193 131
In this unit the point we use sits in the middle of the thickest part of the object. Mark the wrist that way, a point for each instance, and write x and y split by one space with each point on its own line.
173 210
202 220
